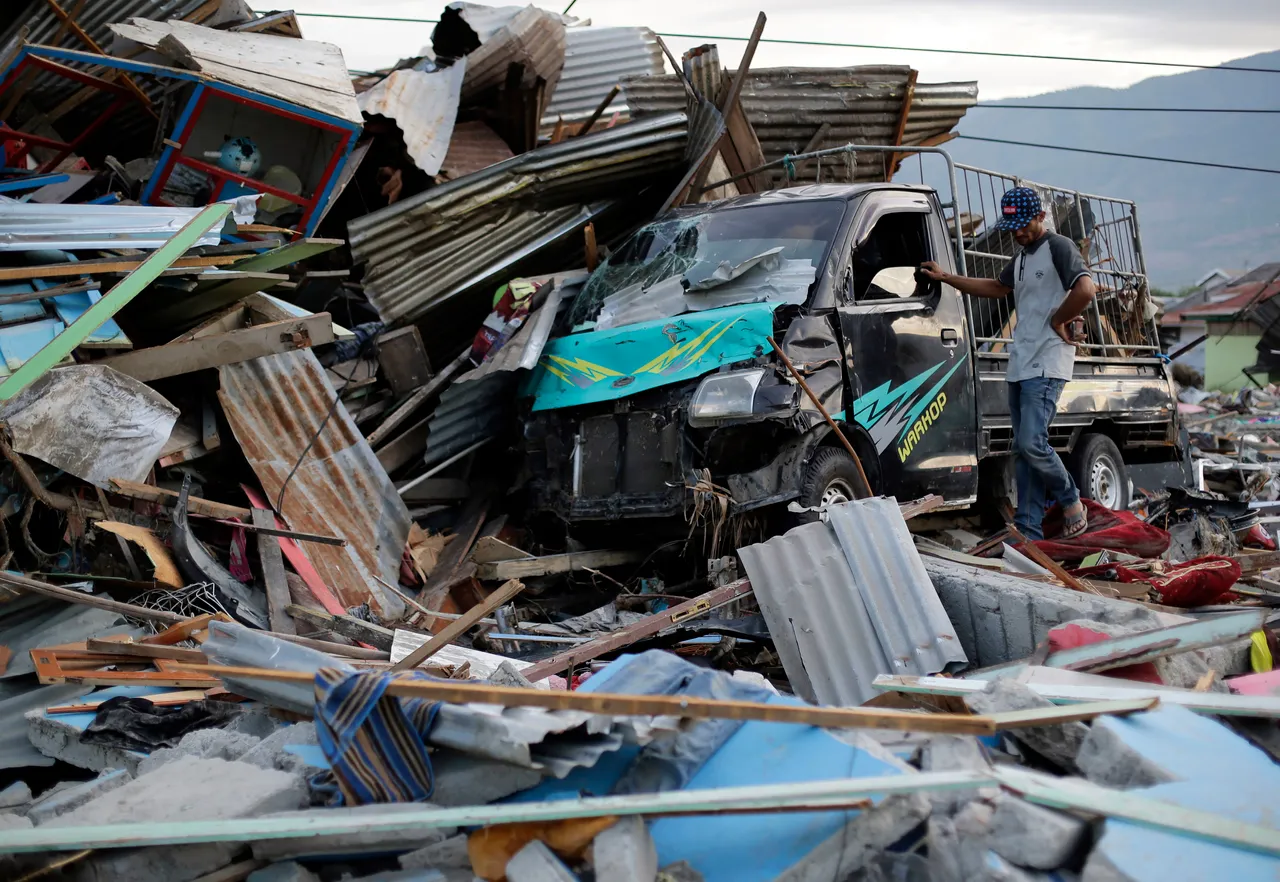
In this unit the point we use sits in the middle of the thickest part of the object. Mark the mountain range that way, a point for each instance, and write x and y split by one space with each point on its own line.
1193 219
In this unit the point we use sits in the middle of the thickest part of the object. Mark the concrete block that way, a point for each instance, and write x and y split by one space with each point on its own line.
16 795
680 871
1106 758
63 799
269 753
958 846
997 869
1033 836
14 821
449 854
1099 868
191 789
953 753
186 864
625 852
536 863
867 834
285 871
61 741
257 722
472 780
355 842
219 744
1059 744
507 675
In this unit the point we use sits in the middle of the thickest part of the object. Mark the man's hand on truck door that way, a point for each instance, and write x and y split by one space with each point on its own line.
964 284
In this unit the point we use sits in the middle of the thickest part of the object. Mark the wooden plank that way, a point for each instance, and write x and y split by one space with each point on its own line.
84 37
145 650
438 490
450 567
160 699
403 359
348 626
730 100
54 666
905 112
287 255
682 706
273 578
419 398
105 265
524 568
299 561
923 505
229 347
318 538
460 626
491 549
1072 713
402 449
1034 552
646 627
113 301
22 583
168 498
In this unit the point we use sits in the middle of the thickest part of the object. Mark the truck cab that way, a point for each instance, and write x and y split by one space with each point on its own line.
661 393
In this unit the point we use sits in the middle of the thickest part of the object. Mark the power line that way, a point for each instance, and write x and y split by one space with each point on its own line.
1269 171
1131 109
835 45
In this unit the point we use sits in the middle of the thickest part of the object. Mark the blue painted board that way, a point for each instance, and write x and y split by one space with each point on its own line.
736 848
21 342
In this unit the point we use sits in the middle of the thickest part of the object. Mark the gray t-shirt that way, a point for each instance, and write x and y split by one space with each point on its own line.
1040 276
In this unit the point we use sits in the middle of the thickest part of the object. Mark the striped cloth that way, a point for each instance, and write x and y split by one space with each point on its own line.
375 743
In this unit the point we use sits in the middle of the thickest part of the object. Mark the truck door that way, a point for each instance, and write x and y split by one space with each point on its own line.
907 350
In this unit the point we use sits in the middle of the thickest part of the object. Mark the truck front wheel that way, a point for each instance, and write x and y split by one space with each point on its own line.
829 479
1099 472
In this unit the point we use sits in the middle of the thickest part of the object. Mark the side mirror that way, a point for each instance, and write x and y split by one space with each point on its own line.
898 281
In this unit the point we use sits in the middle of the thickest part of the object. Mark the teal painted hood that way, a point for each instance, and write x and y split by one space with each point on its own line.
605 365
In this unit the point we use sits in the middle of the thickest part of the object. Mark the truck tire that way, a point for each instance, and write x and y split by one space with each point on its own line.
1099 472
829 478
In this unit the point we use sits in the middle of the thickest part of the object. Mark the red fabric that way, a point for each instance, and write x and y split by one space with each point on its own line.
1071 636
1197 582
1108 531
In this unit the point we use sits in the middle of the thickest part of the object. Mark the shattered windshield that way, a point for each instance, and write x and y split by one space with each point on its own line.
754 253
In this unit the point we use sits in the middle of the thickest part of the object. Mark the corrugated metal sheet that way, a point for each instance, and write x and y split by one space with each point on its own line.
786 106
595 60
836 627
466 233
522 35
424 104
27 226
467 413
474 146
275 405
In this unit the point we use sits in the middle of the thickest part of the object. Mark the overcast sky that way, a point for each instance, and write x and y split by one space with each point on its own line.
1192 31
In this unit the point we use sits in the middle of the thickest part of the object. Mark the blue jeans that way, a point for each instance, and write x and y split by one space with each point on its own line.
1041 477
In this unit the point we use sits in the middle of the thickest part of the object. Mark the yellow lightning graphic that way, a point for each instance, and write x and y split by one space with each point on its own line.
590 370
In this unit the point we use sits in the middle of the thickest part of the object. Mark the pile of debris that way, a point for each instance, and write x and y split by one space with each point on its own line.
271 603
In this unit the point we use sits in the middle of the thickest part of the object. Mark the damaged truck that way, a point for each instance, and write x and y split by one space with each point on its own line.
662 385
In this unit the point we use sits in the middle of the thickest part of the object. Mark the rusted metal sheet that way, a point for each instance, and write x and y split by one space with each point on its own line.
275 406
474 146
861 105
596 59
424 105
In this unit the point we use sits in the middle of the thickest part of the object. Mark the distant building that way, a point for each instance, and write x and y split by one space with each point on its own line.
1233 315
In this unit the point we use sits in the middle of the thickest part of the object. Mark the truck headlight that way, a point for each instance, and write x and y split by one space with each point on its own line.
725 396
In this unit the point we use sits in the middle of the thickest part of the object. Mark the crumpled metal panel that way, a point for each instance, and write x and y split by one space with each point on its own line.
29 622
275 405
446 240
424 104
836 624
595 60
507 35
91 421
786 106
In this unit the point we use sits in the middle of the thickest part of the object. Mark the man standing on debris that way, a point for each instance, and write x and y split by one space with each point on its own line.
1051 288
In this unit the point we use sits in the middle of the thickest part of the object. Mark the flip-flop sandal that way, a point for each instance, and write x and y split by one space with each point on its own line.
1074 525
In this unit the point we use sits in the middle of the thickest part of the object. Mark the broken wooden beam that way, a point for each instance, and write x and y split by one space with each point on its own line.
524 568
647 627
459 626
230 347
273 576
348 626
